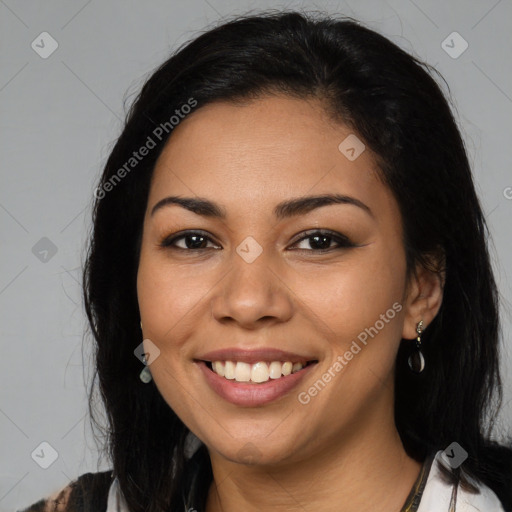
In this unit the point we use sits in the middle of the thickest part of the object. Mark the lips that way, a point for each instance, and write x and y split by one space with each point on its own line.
253 377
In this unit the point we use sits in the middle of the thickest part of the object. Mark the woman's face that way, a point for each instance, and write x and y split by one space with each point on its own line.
260 287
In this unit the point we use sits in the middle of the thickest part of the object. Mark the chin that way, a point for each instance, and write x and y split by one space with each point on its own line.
257 452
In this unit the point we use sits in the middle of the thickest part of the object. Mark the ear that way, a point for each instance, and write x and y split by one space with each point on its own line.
423 297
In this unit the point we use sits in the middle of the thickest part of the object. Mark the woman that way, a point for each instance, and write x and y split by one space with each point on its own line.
287 235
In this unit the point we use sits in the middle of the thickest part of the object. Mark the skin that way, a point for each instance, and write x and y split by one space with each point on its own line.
341 451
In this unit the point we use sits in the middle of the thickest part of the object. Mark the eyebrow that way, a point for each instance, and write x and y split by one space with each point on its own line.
285 209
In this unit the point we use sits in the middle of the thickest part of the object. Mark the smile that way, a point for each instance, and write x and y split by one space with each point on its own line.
256 373
253 378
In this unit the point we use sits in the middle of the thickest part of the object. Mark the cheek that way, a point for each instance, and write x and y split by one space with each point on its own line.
170 297
169 301
349 297
358 308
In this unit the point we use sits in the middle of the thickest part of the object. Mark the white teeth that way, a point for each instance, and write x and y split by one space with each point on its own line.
242 372
296 367
218 368
287 368
229 370
258 372
275 369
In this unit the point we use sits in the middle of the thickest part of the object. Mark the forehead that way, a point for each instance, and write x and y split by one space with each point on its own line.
261 152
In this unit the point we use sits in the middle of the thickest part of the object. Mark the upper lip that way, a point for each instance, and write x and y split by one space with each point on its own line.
254 355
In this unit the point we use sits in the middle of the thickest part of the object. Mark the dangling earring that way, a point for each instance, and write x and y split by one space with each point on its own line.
145 374
416 360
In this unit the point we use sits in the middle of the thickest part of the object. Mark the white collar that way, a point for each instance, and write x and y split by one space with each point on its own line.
437 494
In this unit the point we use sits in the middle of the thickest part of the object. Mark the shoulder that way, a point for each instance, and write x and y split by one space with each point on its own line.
89 492
439 495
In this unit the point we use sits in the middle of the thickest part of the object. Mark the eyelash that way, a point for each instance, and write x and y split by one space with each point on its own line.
342 241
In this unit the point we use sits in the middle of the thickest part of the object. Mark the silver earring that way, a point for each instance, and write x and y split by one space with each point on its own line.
416 360
145 374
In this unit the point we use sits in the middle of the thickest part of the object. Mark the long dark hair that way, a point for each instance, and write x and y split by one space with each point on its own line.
394 104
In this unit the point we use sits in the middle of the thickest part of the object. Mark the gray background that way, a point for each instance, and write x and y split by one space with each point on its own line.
59 118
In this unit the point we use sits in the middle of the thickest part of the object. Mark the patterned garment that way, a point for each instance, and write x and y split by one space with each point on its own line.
89 493
430 493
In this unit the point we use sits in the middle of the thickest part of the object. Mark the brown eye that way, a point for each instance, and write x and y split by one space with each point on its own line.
190 240
320 240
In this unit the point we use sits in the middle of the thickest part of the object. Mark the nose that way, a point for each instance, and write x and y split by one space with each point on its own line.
252 294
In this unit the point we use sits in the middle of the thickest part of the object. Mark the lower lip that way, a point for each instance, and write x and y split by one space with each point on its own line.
252 395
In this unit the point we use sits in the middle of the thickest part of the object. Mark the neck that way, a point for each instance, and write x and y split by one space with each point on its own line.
364 466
